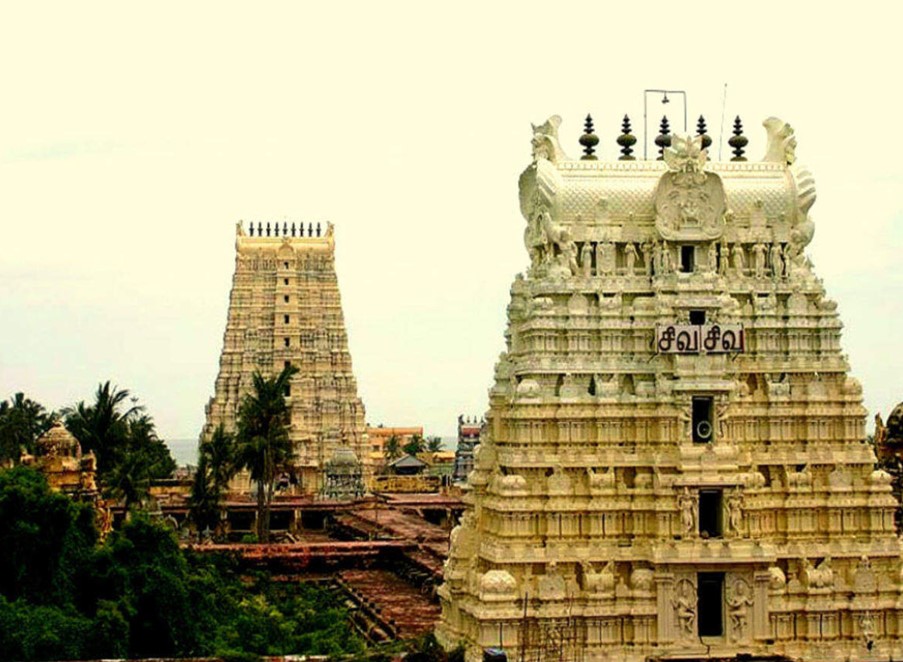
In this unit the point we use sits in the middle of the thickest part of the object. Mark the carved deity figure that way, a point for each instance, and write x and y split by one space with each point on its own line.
687 505
713 257
735 511
666 258
605 253
759 255
738 604
739 259
648 252
774 256
685 607
630 256
586 260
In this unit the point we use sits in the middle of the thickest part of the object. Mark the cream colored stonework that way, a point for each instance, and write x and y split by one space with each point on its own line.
285 307
581 539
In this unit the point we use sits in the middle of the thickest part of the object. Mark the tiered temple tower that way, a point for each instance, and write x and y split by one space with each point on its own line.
285 308
674 463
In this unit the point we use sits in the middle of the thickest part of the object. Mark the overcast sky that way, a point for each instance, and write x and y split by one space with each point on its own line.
132 140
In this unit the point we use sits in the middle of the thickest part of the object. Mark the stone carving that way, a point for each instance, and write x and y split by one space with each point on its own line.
759 258
545 141
685 607
687 505
735 511
630 256
689 202
604 467
605 258
552 585
819 577
602 582
864 579
641 579
586 260
497 585
528 388
739 259
738 604
274 278
781 147
777 580
867 627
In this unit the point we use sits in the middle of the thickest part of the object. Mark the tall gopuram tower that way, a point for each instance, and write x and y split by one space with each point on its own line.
674 464
285 308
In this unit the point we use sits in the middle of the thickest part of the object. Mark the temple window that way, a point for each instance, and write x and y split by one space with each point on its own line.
710 600
703 424
697 317
711 520
687 259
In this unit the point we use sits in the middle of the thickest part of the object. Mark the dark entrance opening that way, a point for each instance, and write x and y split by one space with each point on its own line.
697 317
703 425
687 259
710 514
709 595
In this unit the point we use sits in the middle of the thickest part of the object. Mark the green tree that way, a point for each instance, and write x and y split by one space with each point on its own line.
22 421
262 443
129 453
415 445
434 444
216 467
392 448
102 427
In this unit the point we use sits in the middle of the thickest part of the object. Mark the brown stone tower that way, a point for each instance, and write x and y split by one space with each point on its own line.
285 308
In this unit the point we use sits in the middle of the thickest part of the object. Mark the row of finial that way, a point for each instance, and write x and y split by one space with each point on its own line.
286 230
627 140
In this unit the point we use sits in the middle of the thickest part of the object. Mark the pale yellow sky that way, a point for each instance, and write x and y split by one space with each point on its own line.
134 136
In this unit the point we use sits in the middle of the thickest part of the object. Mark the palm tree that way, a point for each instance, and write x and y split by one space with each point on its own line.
415 445
101 427
262 438
129 453
392 448
434 444
22 421
216 466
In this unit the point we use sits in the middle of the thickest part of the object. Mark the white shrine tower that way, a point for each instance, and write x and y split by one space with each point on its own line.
674 463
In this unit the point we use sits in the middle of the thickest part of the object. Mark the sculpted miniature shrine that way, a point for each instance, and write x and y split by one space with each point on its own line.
285 308
673 464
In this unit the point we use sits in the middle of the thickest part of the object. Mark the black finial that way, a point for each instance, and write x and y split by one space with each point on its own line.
275 229
259 229
318 229
663 139
738 141
626 140
268 229
701 131
589 140
285 229
293 228
252 229
310 229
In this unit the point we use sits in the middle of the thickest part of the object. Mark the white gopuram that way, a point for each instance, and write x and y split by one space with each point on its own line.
674 462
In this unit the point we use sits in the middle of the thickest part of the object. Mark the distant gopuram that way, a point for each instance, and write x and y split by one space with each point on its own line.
285 309
673 464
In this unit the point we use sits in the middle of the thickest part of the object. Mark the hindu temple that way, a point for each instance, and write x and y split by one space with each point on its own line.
673 464
285 309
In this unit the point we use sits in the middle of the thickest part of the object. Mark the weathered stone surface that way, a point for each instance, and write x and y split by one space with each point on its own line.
285 307
672 430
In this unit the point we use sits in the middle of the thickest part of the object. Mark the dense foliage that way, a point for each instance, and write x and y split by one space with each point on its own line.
129 453
63 596
22 421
